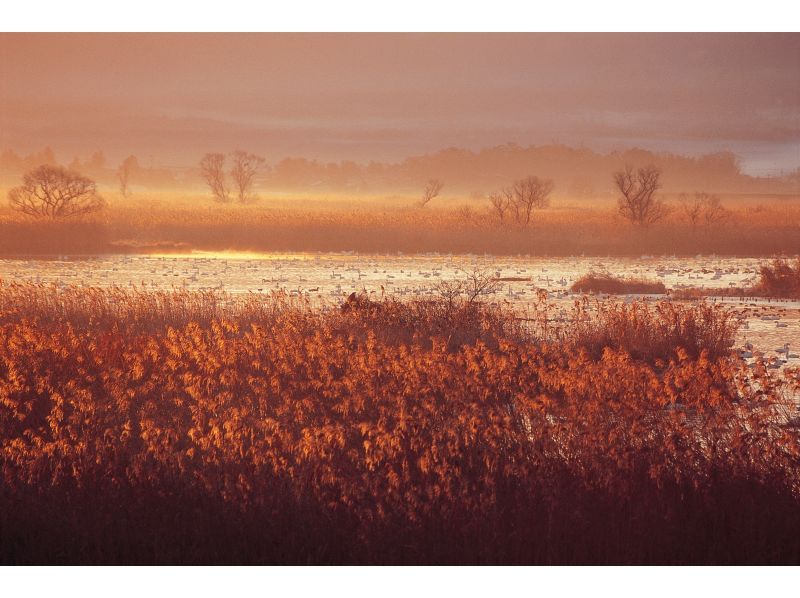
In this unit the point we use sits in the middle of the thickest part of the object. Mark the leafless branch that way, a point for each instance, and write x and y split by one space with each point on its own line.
500 204
55 192
124 172
212 170
244 169
529 193
638 203
703 208
432 189
521 198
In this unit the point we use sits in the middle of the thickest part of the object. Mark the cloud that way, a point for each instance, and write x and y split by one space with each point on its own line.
384 96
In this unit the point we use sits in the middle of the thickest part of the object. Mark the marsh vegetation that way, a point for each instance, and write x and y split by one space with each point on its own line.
200 427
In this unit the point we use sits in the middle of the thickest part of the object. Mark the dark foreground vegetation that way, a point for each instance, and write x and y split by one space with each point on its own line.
203 428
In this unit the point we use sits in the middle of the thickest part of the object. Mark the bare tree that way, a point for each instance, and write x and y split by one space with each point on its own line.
465 213
212 169
638 202
244 169
480 282
529 193
703 208
124 172
451 291
432 189
521 198
692 208
500 204
468 290
55 192
713 210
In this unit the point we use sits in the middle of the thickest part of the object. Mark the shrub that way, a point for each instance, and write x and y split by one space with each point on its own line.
779 279
605 283
654 332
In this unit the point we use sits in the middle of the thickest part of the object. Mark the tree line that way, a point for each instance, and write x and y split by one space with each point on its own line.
56 192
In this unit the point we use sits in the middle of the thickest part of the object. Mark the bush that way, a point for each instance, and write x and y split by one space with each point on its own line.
779 279
605 283
654 332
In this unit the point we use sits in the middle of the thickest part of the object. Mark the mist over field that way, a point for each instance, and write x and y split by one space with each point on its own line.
348 131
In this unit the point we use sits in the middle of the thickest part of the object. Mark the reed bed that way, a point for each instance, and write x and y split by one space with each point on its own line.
651 332
611 285
203 428
387 225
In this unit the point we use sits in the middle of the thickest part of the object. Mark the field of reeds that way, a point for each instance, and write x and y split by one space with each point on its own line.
176 427
380 225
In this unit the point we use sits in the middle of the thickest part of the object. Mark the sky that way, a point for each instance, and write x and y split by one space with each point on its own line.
169 98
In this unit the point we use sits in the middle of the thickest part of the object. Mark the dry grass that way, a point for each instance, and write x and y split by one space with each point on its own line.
611 285
652 332
393 224
206 428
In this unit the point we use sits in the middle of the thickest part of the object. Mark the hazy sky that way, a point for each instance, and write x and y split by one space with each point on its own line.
169 98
